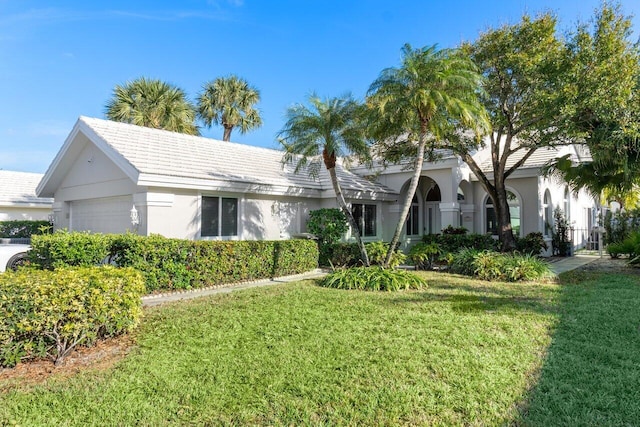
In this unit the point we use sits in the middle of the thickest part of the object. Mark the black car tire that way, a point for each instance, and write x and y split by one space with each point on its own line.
17 260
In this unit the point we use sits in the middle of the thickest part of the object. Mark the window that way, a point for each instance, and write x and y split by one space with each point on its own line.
219 217
491 224
547 213
365 216
412 218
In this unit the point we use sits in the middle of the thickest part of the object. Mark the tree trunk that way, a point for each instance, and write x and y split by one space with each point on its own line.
330 163
503 216
406 206
227 133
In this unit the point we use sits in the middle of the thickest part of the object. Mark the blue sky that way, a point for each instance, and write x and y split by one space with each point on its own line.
60 60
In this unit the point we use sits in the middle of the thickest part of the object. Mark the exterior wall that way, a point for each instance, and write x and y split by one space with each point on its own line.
92 177
259 217
13 213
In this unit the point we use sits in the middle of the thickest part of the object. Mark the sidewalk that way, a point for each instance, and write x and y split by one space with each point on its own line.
571 263
151 300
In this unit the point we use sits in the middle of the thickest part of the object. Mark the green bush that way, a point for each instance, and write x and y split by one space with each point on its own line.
490 265
184 264
23 229
169 264
423 255
328 225
48 313
619 225
532 243
373 279
462 261
339 255
377 252
73 249
452 243
561 239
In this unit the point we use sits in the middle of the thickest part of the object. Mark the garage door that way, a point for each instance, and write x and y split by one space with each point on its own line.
104 215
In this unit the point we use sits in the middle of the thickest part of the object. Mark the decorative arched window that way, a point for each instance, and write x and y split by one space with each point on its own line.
491 223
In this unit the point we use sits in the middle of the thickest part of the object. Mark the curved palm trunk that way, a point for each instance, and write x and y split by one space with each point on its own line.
227 133
411 191
330 163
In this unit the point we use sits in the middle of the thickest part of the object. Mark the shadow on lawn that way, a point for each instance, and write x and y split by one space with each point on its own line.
591 374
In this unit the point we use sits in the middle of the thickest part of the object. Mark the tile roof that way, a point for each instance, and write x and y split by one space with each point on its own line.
20 187
539 158
164 153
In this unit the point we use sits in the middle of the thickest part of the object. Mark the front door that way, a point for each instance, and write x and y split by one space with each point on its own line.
432 218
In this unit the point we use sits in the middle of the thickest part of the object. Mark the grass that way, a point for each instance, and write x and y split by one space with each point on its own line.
459 352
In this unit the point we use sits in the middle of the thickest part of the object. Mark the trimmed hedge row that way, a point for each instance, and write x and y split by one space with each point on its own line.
48 313
175 263
19 229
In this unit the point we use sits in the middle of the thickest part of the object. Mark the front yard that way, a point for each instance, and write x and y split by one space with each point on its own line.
459 352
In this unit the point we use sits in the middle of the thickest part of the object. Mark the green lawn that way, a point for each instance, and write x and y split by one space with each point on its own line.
460 352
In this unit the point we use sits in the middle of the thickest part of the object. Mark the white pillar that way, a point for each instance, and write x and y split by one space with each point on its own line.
449 214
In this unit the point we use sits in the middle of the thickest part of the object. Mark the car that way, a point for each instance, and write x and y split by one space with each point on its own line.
13 256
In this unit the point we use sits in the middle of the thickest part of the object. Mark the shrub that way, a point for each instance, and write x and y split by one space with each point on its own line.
378 252
169 264
23 229
532 243
619 225
462 261
489 265
62 248
451 243
561 240
339 254
328 225
423 255
454 230
373 279
48 313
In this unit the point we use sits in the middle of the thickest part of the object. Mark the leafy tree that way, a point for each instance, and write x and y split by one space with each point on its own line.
524 95
415 106
326 129
604 82
230 102
152 103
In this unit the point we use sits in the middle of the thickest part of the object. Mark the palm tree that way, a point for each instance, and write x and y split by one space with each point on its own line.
327 129
152 103
229 101
422 98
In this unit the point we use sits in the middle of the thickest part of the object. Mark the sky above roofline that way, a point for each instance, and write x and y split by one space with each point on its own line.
60 60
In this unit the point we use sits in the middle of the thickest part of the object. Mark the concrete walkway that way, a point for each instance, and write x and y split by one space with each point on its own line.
151 300
571 263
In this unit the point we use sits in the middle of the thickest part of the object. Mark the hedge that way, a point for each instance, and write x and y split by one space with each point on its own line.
48 313
23 229
168 264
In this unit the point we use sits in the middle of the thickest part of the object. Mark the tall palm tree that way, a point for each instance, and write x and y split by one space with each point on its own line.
422 98
327 129
152 103
229 101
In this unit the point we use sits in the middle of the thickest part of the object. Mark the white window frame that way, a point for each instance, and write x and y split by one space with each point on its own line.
239 216
377 222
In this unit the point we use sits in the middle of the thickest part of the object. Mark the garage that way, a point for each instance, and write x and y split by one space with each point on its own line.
103 215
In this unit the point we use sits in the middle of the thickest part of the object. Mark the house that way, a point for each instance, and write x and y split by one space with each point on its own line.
18 199
112 177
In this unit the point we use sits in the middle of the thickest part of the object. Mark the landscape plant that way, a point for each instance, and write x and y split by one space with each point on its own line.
561 238
49 313
374 278
324 131
423 255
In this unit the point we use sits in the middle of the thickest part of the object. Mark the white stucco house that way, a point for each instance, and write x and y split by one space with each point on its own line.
18 199
198 188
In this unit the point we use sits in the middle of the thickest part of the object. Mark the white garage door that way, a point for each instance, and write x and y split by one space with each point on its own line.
105 215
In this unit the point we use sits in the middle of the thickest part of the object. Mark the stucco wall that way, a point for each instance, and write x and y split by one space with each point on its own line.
13 213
